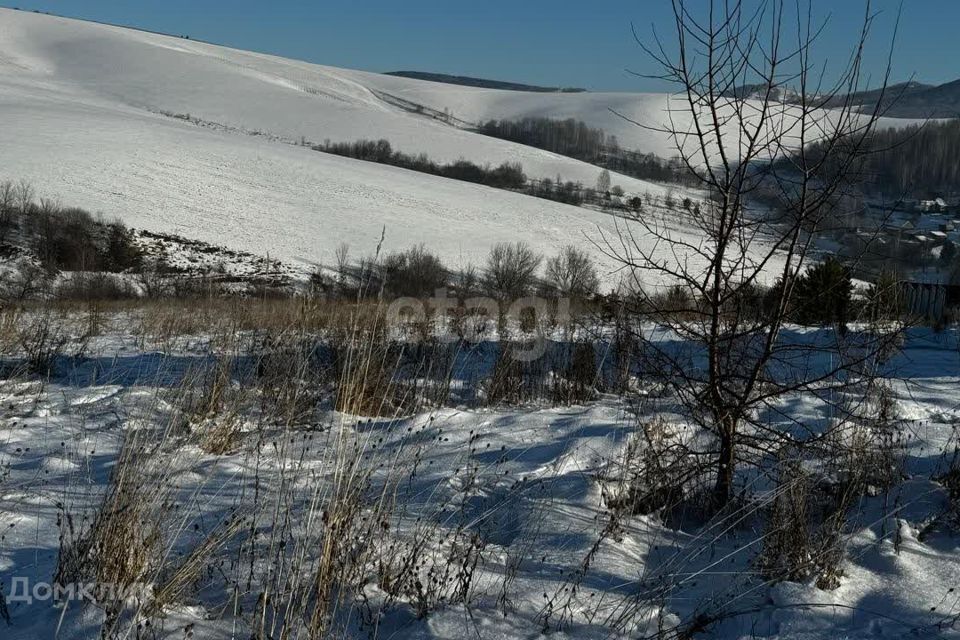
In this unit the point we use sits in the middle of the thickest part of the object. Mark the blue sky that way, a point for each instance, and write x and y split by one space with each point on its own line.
555 42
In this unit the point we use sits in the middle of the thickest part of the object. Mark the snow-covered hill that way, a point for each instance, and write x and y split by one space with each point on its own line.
81 117
297 99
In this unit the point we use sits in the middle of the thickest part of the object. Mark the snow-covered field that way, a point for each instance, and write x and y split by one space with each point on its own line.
527 480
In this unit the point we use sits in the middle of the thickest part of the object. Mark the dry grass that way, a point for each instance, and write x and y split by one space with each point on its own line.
174 583
303 402
123 544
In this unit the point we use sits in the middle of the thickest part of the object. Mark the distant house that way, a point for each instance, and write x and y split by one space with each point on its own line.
937 205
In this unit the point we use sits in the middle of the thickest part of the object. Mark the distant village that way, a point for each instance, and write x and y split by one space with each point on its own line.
919 239
920 236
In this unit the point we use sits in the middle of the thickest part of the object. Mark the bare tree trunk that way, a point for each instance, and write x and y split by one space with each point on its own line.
726 461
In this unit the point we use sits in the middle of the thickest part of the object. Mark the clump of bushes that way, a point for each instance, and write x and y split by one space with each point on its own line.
413 273
66 239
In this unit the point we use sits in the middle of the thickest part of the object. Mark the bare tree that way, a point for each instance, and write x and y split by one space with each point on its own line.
8 202
511 270
24 197
571 273
734 361
603 182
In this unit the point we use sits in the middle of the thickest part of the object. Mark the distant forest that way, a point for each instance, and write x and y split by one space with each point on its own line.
917 161
576 139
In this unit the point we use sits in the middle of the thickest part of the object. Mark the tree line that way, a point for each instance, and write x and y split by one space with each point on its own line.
512 270
507 175
919 160
576 139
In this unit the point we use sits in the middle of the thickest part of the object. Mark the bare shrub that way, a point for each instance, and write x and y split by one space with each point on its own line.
23 196
151 279
876 448
175 580
788 552
342 257
425 373
24 280
42 339
215 409
576 380
366 364
121 546
466 282
435 570
10 321
293 376
125 549
64 238
806 527
656 472
324 544
506 383
413 273
808 521
949 479
95 286
119 251
435 563
319 283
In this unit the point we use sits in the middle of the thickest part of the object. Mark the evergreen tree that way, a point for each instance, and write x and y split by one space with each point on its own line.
822 295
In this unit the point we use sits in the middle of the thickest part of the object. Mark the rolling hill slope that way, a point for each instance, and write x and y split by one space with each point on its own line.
84 116
80 118
251 91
